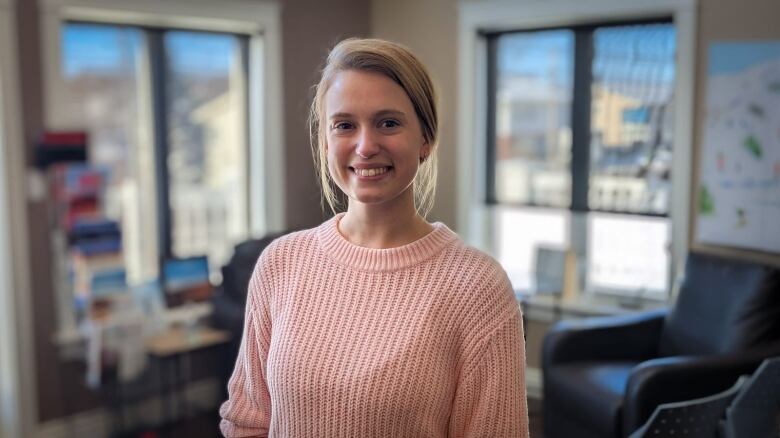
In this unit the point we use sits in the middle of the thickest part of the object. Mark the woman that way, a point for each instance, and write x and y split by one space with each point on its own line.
377 323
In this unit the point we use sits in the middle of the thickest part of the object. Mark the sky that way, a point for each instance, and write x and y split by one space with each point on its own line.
94 47
736 57
620 51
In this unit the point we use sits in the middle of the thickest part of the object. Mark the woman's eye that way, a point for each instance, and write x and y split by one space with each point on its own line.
389 124
341 126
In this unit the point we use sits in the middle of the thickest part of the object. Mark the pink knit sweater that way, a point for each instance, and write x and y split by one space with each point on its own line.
423 340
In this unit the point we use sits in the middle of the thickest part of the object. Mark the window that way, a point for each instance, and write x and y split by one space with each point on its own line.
166 114
163 102
579 150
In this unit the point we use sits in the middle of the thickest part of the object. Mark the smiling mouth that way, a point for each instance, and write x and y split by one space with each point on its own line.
374 171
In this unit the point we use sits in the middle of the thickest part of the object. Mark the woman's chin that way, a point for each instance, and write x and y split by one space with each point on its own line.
368 198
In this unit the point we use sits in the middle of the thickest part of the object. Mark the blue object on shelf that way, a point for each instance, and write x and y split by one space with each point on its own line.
108 282
101 245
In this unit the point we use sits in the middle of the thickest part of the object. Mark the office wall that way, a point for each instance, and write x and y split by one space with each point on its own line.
430 29
309 29
728 20
47 373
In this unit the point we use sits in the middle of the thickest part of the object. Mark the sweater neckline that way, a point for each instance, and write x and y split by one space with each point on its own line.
346 253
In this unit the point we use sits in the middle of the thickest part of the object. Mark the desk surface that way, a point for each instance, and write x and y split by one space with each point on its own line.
178 340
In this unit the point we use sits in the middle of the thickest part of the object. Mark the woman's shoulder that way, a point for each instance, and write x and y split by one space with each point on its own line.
274 262
476 280
467 260
478 291
288 244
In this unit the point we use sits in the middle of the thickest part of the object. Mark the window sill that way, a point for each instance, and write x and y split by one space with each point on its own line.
552 307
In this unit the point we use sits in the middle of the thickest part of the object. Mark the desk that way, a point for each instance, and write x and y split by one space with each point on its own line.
179 341
173 347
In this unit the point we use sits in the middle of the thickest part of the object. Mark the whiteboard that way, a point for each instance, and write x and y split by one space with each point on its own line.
738 199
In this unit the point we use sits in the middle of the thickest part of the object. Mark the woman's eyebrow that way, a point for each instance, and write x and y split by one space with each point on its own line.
378 114
340 116
389 112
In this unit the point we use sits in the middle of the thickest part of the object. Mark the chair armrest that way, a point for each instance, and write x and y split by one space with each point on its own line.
625 337
671 379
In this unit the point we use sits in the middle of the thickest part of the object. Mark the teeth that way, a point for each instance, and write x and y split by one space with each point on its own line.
371 172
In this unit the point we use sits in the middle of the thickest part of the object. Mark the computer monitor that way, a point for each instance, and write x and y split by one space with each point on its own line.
186 279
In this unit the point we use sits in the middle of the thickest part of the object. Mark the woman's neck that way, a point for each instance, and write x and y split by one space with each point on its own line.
372 226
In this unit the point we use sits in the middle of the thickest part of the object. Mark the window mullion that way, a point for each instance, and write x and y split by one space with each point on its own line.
158 67
580 160
244 54
491 197
580 120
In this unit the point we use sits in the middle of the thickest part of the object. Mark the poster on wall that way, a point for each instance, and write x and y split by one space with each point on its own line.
739 179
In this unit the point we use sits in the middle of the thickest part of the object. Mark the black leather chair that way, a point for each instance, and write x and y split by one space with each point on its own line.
603 377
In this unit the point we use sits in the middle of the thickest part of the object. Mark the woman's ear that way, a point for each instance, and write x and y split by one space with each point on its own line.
425 151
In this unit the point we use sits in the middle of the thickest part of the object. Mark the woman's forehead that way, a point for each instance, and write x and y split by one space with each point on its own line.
353 92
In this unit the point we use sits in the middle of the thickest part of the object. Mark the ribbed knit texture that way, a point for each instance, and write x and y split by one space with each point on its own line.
423 340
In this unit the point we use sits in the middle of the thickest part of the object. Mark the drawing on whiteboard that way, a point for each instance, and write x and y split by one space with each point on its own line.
753 146
741 218
706 204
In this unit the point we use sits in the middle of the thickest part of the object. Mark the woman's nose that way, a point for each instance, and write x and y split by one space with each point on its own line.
367 145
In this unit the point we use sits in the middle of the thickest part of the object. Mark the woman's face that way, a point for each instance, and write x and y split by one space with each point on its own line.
374 139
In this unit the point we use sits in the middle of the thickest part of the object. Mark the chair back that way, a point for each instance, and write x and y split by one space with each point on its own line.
755 411
238 270
698 418
723 306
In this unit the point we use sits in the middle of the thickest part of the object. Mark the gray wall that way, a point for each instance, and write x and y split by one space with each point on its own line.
430 29
309 29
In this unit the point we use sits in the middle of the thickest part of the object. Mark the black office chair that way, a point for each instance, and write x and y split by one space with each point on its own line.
698 418
604 377
230 298
755 412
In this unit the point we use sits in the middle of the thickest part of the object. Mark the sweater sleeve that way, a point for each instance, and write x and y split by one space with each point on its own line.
490 400
247 412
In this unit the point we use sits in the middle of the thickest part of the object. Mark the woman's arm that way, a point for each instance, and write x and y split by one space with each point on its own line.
491 400
247 412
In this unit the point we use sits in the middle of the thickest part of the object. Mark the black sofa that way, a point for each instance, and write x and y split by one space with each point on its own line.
603 377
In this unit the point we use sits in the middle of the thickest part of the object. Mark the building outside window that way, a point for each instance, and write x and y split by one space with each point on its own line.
580 150
166 113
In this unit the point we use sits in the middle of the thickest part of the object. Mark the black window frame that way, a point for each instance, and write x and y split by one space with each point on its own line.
154 37
580 113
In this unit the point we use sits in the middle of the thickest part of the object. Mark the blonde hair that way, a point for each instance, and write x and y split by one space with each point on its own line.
402 67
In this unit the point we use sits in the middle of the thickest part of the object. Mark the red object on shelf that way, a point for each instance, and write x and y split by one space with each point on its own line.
74 181
64 138
82 208
61 147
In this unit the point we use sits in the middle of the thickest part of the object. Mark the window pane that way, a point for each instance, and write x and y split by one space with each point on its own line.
628 253
520 232
533 112
207 159
104 81
631 118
